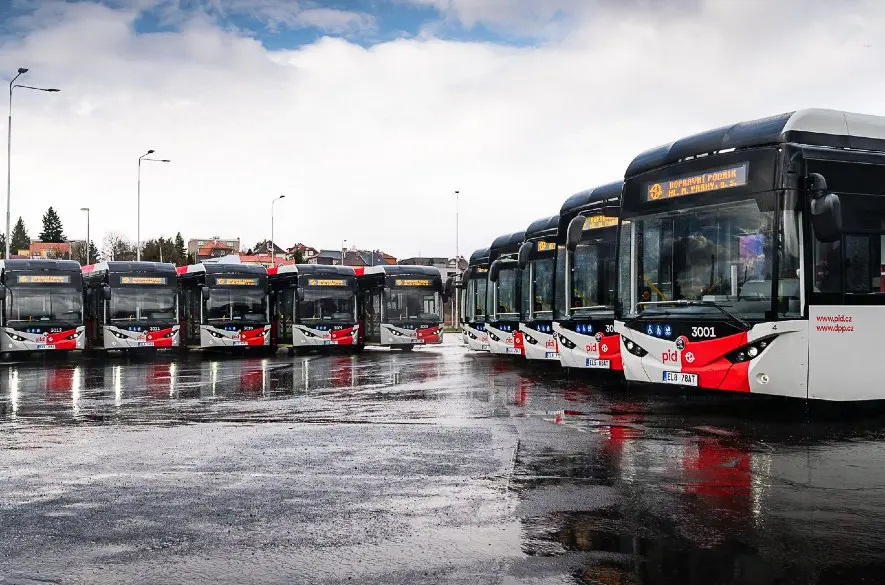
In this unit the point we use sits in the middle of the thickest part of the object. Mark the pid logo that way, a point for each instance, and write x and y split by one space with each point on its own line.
591 348
669 356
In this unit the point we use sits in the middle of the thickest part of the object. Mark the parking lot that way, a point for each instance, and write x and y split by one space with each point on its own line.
432 466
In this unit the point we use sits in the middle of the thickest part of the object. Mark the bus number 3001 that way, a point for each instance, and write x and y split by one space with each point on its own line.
703 332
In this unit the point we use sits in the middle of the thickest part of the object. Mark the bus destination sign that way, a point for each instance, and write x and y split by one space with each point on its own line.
326 282
595 222
545 246
43 279
227 281
143 280
411 282
714 180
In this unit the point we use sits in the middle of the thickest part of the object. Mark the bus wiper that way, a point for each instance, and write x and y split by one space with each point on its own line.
688 303
593 308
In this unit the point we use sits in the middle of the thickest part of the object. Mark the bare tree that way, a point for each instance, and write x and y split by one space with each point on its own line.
115 246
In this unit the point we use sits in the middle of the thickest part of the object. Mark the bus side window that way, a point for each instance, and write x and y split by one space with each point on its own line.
827 267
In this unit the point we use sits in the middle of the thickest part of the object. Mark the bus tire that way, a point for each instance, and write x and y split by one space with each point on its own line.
408 347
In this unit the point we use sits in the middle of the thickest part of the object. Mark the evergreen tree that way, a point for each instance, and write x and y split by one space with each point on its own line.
78 253
3 246
180 250
20 238
299 256
52 228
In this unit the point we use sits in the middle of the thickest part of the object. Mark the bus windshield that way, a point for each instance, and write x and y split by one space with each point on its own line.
543 271
142 304
227 304
593 276
508 293
413 304
44 303
720 255
326 305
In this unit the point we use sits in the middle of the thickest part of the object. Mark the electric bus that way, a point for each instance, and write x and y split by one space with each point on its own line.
42 305
224 305
585 327
316 306
750 258
402 306
131 305
474 284
505 279
539 289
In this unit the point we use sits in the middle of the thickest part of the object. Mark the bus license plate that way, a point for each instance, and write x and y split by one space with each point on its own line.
601 364
680 378
240 343
145 344
512 350
45 346
417 341
484 347
551 355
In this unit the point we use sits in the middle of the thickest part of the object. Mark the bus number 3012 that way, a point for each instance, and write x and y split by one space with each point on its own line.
703 332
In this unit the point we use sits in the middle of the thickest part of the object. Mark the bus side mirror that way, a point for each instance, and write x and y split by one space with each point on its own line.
2 293
106 292
574 231
449 289
494 269
468 273
524 251
299 294
204 290
826 210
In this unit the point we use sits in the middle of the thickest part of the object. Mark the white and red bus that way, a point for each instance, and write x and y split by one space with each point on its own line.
402 306
131 305
540 287
316 307
588 233
505 285
474 286
751 258
224 305
42 305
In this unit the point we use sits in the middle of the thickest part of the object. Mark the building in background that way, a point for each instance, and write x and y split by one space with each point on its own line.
307 252
49 250
352 257
206 248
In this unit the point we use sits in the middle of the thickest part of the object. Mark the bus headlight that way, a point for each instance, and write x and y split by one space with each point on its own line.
215 334
566 343
634 348
15 337
749 351
117 334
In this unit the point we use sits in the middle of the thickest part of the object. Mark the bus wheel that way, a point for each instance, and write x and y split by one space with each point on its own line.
408 347
352 349
300 351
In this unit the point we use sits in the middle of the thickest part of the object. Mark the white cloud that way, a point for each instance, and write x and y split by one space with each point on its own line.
368 144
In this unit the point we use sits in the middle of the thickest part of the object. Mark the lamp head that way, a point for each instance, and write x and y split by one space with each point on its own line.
151 151
22 70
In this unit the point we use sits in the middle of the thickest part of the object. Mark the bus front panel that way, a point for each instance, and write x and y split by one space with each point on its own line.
42 312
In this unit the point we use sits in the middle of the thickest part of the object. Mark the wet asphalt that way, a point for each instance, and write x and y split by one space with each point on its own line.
437 466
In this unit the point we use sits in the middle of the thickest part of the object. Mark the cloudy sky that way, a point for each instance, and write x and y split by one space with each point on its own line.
368 114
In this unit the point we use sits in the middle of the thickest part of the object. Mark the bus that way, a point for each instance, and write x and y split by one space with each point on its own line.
402 306
537 260
505 279
315 307
42 305
750 258
131 305
474 284
585 327
224 305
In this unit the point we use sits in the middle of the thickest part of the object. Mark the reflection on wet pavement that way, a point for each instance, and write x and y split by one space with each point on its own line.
434 466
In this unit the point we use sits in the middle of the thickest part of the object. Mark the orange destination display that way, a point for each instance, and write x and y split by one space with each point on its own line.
713 180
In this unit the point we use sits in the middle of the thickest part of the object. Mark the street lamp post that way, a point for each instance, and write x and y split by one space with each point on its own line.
138 211
273 247
86 209
12 85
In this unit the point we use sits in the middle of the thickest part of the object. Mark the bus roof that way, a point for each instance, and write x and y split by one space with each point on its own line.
817 127
507 241
480 256
397 269
220 268
312 269
123 267
40 264
608 194
546 227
